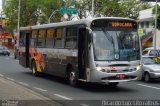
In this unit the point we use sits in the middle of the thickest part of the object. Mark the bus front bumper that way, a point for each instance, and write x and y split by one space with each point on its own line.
114 77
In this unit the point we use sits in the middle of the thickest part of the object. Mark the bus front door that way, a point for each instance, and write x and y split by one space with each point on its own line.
24 49
82 53
27 49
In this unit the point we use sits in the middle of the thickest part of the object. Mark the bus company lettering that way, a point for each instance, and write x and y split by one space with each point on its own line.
122 24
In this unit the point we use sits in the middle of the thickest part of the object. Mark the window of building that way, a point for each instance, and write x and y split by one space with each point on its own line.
71 37
142 24
147 24
59 38
50 38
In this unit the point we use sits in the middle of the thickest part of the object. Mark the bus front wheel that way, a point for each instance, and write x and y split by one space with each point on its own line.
34 69
73 78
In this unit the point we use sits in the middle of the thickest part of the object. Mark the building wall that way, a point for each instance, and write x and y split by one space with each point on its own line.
146 29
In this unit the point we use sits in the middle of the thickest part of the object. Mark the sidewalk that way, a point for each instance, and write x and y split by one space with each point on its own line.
12 94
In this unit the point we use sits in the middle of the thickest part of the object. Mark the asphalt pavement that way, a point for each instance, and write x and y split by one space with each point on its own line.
60 91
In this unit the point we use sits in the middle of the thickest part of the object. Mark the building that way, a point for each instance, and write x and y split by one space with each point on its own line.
146 28
6 38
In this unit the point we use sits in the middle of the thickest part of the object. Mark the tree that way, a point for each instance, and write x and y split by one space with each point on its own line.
32 11
48 7
39 11
122 8
158 17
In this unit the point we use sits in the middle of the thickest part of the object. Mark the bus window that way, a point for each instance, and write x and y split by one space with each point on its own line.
22 39
59 38
34 38
50 38
71 37
41 40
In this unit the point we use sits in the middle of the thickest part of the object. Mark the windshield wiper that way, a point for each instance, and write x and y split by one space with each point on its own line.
110 38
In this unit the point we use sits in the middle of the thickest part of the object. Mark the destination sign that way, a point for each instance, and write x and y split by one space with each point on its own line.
122 24
113 23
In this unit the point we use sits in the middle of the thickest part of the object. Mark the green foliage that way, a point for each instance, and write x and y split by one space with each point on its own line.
48 7
122 8
39 11
158 17
31 11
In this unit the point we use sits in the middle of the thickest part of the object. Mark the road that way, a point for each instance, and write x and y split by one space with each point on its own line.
86 95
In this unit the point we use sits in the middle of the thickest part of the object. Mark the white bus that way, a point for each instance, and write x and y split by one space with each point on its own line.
103 50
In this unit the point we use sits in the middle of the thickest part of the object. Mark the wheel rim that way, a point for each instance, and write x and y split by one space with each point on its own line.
33 70
72 76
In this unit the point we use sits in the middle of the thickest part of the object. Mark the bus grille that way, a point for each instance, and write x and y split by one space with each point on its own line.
120 71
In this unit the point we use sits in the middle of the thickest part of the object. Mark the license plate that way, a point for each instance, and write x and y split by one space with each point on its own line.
120 76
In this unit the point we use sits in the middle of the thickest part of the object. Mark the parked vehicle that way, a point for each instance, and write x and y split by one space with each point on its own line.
150 68
4 51
151 51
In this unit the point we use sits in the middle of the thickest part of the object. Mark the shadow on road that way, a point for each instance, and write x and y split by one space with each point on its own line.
93 87
50 77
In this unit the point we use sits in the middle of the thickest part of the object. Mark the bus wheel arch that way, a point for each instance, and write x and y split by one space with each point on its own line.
72 75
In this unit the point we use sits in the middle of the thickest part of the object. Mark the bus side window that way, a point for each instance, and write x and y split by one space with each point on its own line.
59 38
41 40
50 38
33 41
22 39
71 37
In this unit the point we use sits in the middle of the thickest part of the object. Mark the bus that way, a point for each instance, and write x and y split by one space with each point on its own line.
97 50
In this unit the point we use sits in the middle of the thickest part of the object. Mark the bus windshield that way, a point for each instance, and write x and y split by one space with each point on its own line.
119 44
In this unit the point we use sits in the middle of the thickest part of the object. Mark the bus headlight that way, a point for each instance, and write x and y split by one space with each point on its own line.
100 69
138 67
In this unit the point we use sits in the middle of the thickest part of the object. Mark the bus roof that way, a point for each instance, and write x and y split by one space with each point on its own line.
86 21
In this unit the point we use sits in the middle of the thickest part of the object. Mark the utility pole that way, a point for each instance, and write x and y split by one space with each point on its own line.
92 8
1 28
19 3
155 26
18 33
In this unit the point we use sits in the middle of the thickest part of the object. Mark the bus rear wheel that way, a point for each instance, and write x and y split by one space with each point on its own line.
73 78
34 69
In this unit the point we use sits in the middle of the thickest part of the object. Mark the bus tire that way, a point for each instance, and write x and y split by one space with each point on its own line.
113 84
73 77
34 69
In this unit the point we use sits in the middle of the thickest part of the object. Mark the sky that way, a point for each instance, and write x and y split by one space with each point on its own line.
0 5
